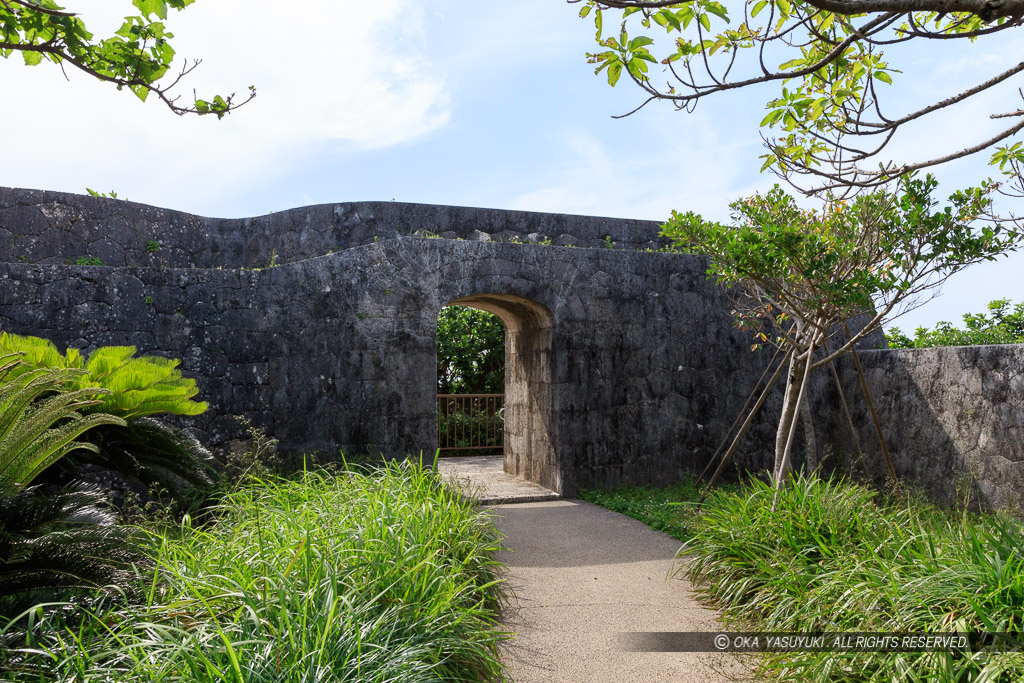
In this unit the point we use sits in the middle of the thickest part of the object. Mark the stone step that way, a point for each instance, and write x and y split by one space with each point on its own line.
483 478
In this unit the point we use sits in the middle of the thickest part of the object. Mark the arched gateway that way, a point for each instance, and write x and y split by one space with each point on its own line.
320 324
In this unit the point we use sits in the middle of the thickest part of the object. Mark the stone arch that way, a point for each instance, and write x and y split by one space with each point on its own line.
529 414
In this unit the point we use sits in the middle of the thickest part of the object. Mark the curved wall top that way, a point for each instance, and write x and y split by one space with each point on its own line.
39 226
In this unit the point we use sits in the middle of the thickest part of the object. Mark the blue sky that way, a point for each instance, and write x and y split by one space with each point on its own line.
474 104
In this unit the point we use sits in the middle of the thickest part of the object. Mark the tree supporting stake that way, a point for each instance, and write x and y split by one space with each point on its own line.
871 407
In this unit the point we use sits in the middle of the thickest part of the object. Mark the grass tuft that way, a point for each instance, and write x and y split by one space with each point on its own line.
835 556
380 576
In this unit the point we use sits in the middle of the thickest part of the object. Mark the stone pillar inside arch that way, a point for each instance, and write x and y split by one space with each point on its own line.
529 441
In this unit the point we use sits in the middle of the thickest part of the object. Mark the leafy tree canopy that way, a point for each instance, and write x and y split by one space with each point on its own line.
831 117
470 352
138 56
801 274
1003 325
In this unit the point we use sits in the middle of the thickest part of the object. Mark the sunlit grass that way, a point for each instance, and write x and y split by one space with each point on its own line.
669 509
385 576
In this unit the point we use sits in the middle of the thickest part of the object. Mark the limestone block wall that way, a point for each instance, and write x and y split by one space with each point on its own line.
38 226
951 417
625 365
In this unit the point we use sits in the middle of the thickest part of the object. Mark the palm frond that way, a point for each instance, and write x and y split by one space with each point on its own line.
154 453
137 386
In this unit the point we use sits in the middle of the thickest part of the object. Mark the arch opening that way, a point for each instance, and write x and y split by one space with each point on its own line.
528 425
470 382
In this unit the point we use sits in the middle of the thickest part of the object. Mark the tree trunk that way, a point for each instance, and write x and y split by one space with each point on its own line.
796 383
789 409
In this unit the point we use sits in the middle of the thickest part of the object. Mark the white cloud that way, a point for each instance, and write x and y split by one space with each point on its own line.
354 76
355 72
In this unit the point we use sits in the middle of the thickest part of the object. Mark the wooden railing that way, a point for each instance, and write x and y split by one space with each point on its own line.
469 422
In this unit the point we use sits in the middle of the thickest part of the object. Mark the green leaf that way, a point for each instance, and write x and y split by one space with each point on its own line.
884 77
705 22
614 71
148 7
32 58
760 5
772 117
585 11
718 10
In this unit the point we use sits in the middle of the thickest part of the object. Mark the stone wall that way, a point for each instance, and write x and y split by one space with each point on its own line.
951 418
53 227
625 365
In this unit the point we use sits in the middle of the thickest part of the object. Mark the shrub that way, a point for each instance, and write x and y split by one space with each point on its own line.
1004 325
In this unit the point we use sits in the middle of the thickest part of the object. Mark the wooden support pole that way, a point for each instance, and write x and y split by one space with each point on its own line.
871 407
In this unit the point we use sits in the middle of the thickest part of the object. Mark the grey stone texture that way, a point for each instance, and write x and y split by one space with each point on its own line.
38 226
623 365
952 418
320 325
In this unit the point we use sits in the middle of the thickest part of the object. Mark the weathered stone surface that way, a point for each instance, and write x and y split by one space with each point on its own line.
38 226
952 418
623 365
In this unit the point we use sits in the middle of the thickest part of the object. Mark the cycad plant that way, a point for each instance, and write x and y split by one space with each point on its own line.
137 386
133 388
60 545
154 453
40 420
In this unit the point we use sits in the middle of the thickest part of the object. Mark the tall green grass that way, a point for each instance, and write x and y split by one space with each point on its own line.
383 576
835 556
